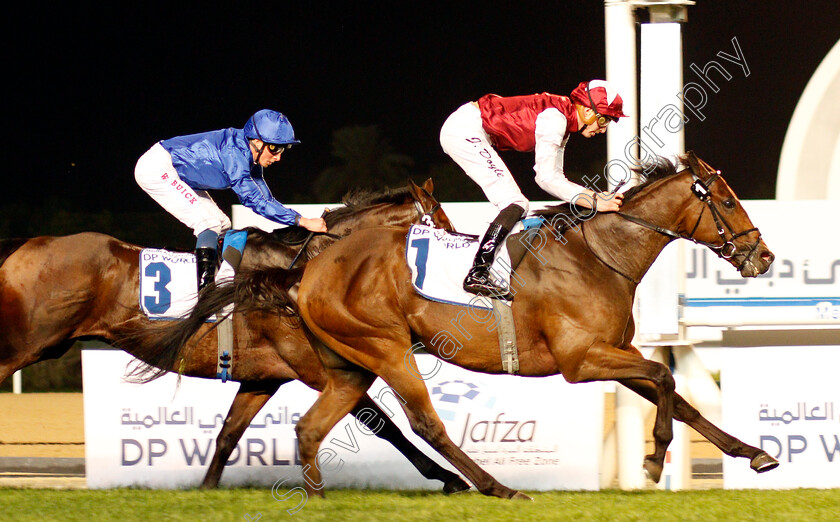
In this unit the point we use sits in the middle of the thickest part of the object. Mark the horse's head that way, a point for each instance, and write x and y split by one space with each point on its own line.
722 224
428 208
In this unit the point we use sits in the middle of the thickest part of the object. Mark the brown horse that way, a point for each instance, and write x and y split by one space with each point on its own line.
572 310
56 290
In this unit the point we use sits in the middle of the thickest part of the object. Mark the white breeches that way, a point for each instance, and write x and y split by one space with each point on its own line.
195 208
464 139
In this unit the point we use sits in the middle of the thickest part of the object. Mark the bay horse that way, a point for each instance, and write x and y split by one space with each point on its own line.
57 290
572 310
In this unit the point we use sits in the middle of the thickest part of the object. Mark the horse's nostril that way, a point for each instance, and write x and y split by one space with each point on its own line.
768 256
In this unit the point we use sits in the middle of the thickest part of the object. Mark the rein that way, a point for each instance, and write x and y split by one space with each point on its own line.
701 189
309 238
727 248
599 258
425 218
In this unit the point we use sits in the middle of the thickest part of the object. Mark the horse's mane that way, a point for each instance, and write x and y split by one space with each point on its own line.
659 168
649 172
354 202
359 200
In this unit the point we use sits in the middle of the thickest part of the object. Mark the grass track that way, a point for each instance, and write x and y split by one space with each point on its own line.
346 505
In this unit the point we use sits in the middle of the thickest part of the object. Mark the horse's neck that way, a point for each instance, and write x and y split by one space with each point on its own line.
631 248
625 247
378 215
262 249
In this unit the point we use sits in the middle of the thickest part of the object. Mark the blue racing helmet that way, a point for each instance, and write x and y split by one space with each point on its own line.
270 127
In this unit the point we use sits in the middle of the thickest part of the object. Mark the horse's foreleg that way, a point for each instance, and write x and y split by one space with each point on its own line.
605 362
343 390
425 423
760 460
383 427
248 401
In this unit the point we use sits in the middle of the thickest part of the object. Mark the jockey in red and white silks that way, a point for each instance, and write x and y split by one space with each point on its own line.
541 123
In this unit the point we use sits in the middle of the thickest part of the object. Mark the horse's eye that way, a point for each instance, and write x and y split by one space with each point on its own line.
729 203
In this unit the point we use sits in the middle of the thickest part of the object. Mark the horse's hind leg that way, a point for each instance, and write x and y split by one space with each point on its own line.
343 390
760 460
248 401
12 359
383 427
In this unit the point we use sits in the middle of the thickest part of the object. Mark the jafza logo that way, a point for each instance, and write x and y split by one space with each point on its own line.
473 413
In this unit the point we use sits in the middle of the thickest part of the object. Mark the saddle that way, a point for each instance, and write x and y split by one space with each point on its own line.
168 286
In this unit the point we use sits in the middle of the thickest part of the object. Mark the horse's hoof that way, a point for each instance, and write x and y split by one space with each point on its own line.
763 462
455 485
653 470
521 496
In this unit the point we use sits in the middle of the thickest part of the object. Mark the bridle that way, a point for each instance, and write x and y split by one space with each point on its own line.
427 217
702 190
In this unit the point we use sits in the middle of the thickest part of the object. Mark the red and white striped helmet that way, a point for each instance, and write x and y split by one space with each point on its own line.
600 96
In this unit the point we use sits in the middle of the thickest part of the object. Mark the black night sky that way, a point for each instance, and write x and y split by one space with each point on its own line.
88 91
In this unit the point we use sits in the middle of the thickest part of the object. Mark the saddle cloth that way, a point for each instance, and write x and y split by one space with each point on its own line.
439 262
168 281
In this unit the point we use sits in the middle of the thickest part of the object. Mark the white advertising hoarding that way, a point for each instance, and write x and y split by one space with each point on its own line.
802 285
785 400
529 433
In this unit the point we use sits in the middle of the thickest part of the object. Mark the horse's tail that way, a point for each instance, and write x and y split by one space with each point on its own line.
8 247
165 347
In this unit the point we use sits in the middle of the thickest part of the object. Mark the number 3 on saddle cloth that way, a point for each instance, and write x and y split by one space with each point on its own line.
439 262
168 285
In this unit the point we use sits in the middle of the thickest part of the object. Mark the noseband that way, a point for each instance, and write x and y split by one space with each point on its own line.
725 250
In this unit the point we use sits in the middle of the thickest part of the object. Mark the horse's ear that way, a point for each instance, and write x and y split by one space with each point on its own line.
429 186
693 163
413 188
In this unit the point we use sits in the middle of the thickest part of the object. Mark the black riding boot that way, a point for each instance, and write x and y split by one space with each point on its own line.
478 279
205 262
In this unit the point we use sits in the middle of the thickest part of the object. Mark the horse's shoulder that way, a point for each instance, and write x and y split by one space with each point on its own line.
398 233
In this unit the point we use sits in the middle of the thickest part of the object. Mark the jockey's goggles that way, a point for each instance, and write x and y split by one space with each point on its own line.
602 120
276 148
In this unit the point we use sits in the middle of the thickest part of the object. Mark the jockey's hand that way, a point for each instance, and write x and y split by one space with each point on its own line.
608 202
313 224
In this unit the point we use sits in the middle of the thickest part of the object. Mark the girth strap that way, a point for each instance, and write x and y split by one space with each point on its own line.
232 250
507 337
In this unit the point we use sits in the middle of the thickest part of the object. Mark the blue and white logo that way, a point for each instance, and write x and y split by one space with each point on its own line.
450 396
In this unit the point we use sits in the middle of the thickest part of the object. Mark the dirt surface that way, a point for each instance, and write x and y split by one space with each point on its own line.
42 425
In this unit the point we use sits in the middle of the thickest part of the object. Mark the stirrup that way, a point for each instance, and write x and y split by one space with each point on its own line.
205 263
480 284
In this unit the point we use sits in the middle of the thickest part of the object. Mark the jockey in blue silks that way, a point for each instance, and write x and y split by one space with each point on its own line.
178 172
